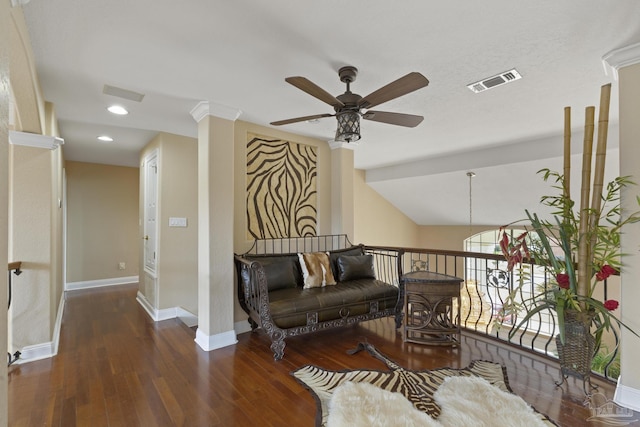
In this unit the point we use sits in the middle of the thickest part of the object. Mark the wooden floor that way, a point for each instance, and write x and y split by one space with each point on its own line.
115 367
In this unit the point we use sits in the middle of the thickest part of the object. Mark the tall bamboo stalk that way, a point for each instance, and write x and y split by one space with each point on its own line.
567 162
584 264
601 155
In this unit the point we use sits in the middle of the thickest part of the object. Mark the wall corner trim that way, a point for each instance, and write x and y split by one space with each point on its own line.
206 108
213 342
156 315
34 140
619 58
627 396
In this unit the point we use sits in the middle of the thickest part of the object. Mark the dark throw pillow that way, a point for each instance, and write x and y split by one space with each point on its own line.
280 275
355 267
333 256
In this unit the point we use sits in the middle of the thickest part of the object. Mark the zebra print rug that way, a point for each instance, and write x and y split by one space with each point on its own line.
417 386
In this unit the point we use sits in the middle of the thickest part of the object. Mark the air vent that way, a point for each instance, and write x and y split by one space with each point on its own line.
491 82
122 93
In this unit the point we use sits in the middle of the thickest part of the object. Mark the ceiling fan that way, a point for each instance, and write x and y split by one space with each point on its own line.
348 106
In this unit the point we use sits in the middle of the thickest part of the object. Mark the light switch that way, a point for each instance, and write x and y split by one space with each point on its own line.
177 222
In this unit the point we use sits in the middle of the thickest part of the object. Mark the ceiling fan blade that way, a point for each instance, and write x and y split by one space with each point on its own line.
402 86
314 90
301 119
407 120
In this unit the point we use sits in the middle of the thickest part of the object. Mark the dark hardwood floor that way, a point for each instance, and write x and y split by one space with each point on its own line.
115 367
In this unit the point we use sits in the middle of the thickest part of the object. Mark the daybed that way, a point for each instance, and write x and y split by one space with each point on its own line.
292 293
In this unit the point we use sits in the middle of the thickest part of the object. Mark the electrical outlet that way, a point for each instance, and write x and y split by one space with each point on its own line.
122 265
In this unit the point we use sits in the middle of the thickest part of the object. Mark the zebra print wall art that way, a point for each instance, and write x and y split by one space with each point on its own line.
281 188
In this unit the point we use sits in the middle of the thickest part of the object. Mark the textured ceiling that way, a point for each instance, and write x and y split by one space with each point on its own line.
238 53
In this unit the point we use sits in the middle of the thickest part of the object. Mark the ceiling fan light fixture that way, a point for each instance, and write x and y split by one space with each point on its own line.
348 126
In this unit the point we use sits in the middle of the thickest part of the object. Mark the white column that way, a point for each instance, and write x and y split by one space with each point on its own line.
215 225
625 65
342 184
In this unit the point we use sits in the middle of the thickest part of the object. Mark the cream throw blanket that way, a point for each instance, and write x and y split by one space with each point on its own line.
465 402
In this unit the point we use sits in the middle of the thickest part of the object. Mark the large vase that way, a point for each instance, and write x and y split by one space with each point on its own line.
578 350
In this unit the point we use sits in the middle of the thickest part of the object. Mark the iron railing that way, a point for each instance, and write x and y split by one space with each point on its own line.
485 291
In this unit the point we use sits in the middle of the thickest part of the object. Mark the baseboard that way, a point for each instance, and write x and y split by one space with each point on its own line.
206 342
213 342
627 396
156 315
88 284
187 317
45 350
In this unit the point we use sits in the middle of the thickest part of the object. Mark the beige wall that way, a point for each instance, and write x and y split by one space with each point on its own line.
342 192
102 221
177 258
629 165
378 222
447 237
178 246
34 241
4 197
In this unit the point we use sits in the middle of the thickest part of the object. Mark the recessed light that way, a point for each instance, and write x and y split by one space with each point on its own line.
105 138
118 109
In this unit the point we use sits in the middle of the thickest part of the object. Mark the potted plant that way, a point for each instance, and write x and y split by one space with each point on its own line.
578 248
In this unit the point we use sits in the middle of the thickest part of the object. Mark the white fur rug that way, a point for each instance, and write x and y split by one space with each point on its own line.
464 402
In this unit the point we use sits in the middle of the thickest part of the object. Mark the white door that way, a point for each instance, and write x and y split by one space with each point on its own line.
150 211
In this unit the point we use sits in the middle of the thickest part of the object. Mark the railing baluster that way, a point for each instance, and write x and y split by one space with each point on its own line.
485 312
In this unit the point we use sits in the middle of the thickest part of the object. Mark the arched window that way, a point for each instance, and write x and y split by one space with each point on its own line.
488 286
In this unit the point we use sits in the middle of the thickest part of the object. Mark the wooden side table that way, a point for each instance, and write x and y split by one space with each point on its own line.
428 306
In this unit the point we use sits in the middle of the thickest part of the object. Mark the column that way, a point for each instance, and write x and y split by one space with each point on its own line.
215 225
625 66
342 184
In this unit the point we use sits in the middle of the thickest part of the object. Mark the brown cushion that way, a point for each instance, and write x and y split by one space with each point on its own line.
355 267
316 270
289 307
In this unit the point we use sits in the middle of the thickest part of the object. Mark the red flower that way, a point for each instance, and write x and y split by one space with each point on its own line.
611 304
605 272
563 280
514 252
